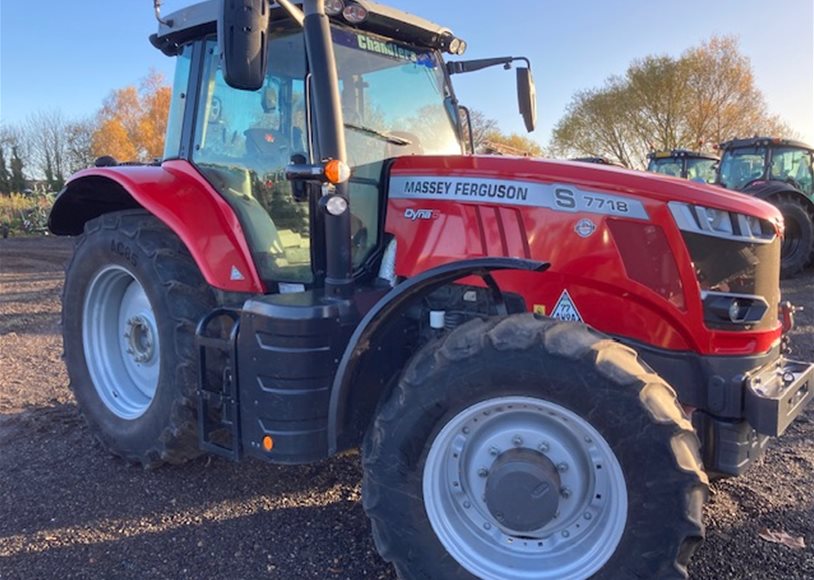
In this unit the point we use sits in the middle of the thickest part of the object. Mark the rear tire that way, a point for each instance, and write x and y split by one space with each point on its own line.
798 243
552 390
133 295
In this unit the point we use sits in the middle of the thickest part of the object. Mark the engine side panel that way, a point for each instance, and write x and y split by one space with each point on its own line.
447 209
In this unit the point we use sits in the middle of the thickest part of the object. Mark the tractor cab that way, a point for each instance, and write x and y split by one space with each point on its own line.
745 161
780 171
692 165
393 95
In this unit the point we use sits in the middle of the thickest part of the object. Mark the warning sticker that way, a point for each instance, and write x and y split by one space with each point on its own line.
565 309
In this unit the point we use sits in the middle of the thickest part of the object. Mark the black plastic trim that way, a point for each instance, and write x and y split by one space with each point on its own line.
390 307
715 384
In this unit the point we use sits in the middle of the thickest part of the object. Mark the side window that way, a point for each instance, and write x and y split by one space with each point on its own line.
244 140
180 86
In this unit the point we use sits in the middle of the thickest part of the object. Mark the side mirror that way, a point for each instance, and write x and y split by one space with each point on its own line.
527 98
243 41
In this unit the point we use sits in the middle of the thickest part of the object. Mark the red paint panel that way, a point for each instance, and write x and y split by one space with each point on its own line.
177 195
589 267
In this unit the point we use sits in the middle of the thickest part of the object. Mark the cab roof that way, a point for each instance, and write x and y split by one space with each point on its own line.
200 19
765 142
665 154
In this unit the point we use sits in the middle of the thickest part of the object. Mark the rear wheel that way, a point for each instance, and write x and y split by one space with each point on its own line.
798 240
522 448
132 297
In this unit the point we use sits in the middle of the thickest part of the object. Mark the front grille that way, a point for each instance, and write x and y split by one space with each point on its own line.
738 267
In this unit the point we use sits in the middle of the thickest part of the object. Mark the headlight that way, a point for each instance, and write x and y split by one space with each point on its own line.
721 223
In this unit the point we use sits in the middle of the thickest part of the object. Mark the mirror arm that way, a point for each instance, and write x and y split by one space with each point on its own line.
165 21
465 66
293 11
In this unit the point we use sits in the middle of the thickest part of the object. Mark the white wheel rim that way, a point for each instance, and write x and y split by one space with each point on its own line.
590 521
120 342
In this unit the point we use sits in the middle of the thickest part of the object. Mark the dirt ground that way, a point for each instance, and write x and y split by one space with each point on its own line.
69 509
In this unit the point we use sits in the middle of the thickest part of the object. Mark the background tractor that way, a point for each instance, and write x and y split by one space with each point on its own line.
780 171
692 165
316 266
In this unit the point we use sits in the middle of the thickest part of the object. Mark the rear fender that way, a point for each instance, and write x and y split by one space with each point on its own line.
364 373
176 194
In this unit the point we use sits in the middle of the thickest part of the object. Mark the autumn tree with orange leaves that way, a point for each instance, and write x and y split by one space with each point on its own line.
132 121
705 96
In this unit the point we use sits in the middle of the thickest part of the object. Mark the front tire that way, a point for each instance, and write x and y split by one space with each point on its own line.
798 242
132 298
462 459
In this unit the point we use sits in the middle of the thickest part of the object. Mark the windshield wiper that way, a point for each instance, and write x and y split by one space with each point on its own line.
380 134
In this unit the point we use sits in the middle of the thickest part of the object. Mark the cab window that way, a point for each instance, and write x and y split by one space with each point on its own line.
244 140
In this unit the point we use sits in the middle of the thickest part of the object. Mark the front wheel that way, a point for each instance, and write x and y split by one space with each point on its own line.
524 448
132 298
798 239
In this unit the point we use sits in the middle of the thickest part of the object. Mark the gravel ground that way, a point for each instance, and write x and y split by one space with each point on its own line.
67 508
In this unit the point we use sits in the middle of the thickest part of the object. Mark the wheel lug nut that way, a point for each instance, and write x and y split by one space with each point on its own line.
467 505
500 516
465 430
588 440
565 533
517 440
487 526
587 515
562 467
544 447
493 451
483 472
565 492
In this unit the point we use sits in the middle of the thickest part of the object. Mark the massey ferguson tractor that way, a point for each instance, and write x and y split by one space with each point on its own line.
693 165
542 362
780 171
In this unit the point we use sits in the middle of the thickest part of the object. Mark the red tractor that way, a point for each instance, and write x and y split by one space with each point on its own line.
315 266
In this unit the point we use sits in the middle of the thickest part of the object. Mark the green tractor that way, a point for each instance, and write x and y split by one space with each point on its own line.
780 171
692 165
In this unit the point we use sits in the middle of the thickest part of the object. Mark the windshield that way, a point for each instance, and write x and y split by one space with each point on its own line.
666 166
701 170
742 166
793 166
395 99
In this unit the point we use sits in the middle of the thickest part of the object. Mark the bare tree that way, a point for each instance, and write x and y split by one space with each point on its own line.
46 133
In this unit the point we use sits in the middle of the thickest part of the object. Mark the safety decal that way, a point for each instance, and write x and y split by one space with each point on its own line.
565 309
236 274
539 309
585 228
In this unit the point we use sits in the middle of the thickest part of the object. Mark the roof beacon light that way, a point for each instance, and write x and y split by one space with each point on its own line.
354 13
334 7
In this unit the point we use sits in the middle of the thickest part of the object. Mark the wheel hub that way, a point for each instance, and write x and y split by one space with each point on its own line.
523 490
140 342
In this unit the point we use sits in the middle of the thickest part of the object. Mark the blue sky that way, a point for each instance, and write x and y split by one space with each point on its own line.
70 58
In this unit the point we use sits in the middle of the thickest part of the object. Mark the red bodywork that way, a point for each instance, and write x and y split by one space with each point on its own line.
179 196
590 268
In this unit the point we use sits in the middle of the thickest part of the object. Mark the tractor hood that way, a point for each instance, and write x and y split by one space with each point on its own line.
535 182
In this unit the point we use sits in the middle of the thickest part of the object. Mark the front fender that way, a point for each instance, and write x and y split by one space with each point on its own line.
182 199
357 379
